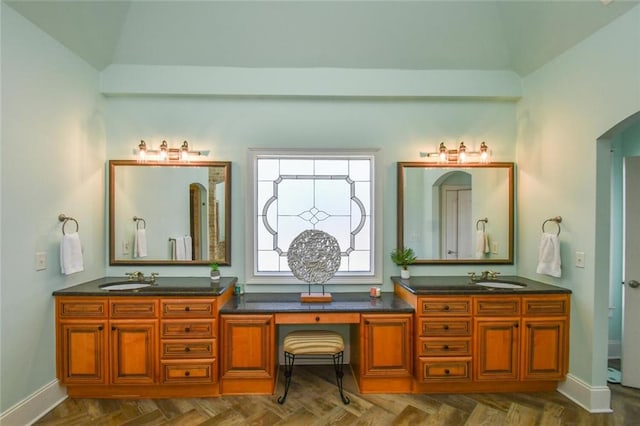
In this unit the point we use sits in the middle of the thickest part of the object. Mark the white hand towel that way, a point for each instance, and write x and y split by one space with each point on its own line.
71 260
180 254
188 249
549 255
482 244
140 243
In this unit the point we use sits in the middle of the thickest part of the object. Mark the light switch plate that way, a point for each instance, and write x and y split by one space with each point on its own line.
579 259
125 248
41 261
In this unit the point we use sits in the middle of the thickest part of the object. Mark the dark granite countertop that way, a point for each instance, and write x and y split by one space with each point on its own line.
254 303
165 286
463 285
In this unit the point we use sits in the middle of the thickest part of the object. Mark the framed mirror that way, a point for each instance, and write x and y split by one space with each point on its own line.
456 214
163 213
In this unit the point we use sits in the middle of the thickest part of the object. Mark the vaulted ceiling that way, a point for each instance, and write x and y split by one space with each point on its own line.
485 35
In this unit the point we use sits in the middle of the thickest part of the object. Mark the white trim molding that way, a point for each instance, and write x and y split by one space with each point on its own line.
36 405
594 399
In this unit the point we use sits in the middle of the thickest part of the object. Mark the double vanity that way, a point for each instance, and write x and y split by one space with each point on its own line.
189 337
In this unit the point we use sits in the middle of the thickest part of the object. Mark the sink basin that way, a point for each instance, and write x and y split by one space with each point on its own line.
499 284
124 286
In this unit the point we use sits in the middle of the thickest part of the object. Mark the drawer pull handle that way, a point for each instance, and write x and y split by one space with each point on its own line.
447 372
186 308
187 349
446 327
446 307
317 318
186 373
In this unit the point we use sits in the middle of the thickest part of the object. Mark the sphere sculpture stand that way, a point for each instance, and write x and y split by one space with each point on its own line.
314 257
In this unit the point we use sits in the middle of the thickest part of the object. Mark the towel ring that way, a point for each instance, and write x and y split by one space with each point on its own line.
137 220
557 220
64 219
483 221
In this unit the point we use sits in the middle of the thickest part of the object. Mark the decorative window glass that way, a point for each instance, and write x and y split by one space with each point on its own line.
332 193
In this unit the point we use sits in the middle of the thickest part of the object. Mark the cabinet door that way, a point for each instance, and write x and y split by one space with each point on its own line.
82 352
386 345
133 351
497 348
544 349
247 346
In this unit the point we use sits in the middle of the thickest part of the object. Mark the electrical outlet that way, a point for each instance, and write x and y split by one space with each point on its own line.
126 248
494 247
579 259
41 261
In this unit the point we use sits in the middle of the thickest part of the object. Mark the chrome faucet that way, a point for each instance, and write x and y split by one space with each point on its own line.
139 276
484 275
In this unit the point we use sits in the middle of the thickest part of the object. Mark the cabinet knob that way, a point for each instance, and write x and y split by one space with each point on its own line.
186 308
528 325
446 347
367 322
446 327
113 328
446 307
516 325
187 329
447 372
186 373
187 349
317 318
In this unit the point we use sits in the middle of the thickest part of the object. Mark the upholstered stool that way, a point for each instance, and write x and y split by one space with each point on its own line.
313 344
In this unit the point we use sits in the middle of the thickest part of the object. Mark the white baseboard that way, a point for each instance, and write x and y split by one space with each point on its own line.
34 406
594 399
615 349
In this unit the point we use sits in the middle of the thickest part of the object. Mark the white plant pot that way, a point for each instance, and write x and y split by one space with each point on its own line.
405 274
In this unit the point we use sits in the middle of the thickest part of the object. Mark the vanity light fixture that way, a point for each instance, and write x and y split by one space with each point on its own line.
461 155
167 154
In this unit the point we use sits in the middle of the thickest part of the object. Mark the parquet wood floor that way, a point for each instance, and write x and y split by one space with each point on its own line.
314 400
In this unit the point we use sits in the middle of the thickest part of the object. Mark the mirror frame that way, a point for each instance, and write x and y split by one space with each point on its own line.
227 220
400 211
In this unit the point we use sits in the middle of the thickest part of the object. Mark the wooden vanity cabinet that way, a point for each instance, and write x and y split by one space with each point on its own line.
248 354
487 343
381 352
443 350
138 346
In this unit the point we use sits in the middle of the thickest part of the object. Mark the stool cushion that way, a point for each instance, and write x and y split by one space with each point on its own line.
313 342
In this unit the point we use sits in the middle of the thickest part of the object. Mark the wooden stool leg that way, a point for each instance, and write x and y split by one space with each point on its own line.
338 365
289 359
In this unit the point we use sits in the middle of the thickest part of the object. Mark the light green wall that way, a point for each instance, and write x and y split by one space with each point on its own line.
53 144
401 128
566 106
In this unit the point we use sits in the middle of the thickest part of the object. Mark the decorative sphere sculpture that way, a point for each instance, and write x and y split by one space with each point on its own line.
314 256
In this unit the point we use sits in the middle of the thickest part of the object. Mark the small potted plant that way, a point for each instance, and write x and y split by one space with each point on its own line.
403 258
215 272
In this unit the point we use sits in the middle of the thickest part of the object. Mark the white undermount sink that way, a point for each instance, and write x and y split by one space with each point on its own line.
124 286
499 284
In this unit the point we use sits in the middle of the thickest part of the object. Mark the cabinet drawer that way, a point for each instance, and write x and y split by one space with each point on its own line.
496 306
317 318
133 308
92 307
439 369
204 348
189 329
444 306
188 308
444 326
196 371
546 305
444 347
